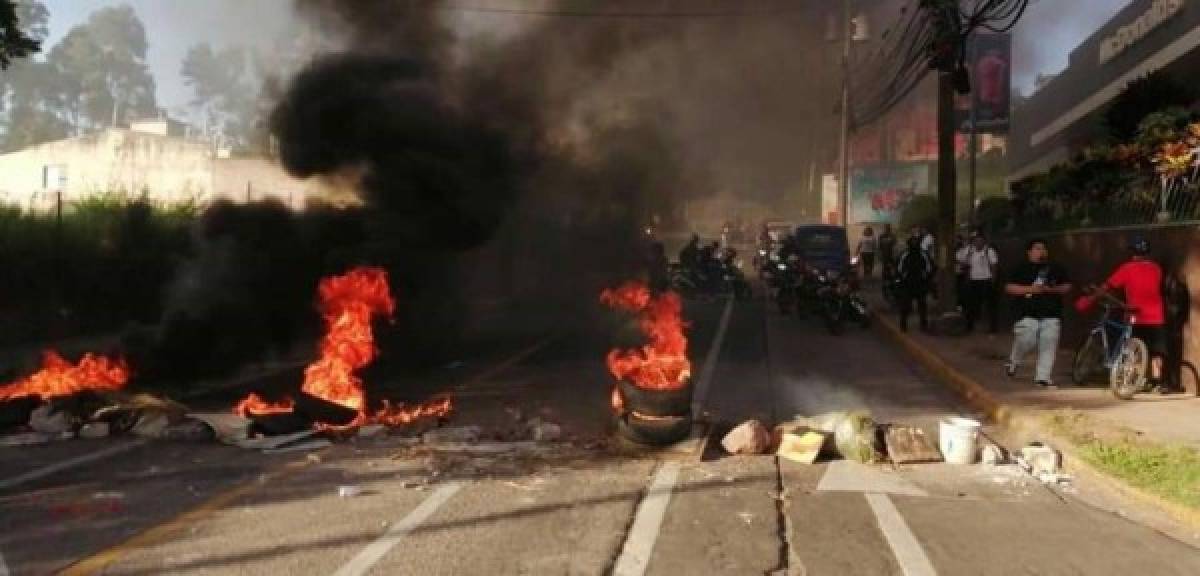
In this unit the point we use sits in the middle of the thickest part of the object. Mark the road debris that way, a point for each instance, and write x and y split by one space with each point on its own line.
453 434
855 437
371 430
799 444
349 491
48 420
749 437
1038 459
910 445
542 431
301 447
26 439
993 455
94 430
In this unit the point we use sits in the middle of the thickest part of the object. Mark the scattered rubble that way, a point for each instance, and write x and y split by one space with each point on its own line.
799 443
94 430
452 435
349 491
542 431
993 455
910 445
1038 459
48 420
750 437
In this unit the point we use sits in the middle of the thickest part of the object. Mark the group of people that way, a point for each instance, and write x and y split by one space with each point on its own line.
706 264
1036 286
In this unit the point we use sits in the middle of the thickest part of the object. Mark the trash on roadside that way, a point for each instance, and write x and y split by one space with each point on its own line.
799 443
958 440
151 424
190 430
542 431
452 434
855 437
371 430
227 427
1038 459
301 447
749 437
910 445
94 430
47 420
993 455
274 442
349 491
1054 478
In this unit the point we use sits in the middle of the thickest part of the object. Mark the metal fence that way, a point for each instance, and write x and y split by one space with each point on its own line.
1174 203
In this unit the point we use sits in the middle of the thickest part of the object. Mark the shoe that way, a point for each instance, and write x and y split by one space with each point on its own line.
1010 369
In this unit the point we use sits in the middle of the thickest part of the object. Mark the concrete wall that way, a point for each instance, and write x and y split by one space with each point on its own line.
1090 256
169 169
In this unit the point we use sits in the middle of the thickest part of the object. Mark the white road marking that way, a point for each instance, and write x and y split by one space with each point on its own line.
909 554
635 555
68 464
3 566
850 476
376 550
710 361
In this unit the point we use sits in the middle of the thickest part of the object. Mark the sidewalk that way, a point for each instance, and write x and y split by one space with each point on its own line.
1173 418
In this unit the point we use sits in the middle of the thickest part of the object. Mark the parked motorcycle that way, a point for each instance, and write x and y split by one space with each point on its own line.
838 302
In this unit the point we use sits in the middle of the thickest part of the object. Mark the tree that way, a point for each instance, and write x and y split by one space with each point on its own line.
18 40
224 92
103 67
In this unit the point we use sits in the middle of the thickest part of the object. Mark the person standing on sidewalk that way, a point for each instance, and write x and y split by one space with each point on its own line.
913 273
1140 278
1037 287
979 262
887 252
866 252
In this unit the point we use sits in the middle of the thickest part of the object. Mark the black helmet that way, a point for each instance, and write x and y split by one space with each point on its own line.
1138 245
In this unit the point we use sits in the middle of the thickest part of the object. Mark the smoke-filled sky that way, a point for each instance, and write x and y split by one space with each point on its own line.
1049 32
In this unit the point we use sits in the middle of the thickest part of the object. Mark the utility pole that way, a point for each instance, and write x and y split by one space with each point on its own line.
947 191
844 152
973 144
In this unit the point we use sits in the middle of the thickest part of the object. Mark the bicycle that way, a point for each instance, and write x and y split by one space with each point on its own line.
1125 357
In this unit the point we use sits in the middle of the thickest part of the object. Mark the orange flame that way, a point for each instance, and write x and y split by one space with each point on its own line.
59 377
255 405
348 303
662 364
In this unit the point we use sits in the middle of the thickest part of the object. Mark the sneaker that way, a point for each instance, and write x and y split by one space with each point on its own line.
1010 369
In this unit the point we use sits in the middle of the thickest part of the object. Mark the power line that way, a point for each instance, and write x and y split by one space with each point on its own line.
626 15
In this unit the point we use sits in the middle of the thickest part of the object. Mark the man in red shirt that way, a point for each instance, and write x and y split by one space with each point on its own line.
1141 280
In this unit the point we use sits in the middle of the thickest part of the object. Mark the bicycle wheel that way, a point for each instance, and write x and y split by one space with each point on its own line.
1089 360
1128 375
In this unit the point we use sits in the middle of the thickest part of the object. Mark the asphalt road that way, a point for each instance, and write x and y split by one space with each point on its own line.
588 505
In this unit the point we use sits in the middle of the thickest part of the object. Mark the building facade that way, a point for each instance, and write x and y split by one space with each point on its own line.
1066 113
149 160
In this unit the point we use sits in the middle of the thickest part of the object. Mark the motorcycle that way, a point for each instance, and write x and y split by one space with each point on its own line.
838 302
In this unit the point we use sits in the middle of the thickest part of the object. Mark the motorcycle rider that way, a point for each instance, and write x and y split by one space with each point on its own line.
659 268
1140 278
710 267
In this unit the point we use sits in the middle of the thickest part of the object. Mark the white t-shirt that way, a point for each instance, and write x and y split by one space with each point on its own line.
980 264
927 244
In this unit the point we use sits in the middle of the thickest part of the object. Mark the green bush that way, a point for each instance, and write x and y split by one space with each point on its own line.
105 262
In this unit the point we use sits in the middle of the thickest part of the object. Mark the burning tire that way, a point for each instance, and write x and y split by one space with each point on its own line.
654 430
675 402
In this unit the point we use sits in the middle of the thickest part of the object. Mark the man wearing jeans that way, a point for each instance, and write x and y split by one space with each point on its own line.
1037 287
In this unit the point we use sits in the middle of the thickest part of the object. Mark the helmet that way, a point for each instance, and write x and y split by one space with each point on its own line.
1138 245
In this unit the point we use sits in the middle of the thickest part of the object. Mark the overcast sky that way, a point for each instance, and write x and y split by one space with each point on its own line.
1049 31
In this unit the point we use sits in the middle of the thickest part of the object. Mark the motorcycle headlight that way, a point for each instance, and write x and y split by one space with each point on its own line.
854 261
781 266
762 252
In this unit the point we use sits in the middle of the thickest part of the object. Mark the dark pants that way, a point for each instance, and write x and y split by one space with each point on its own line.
868 262
889 266
909 295
977 296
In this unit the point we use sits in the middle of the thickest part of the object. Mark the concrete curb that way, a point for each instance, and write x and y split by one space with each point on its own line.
1028 423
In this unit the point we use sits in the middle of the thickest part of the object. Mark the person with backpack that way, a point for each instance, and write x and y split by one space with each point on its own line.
978 261
914 271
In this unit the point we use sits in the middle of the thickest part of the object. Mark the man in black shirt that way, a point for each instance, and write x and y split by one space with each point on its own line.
1037 287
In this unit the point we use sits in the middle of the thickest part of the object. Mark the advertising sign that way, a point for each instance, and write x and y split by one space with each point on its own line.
989 57
879 193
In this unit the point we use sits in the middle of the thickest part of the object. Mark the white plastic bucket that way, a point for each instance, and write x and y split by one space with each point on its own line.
958 439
